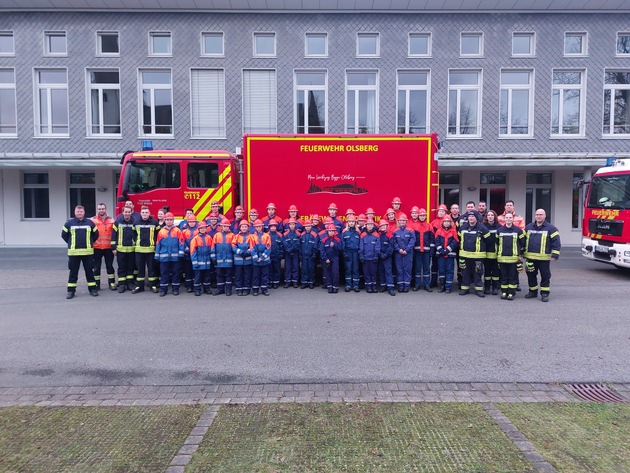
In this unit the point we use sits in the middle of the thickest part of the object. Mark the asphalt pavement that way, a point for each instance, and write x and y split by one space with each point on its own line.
308 336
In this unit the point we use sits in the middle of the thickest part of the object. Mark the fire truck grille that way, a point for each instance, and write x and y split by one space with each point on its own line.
594 392
605 227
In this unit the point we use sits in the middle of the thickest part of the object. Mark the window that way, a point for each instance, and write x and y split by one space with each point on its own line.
51 102
144 176
492 187
203 175
260 102
368 45
316 45
7 47
464 106
361 102
419 44
82 190
264 44
623 44
160 44
212 44
567 103
523 44
449 189
207 95
577 201
471 45
515 114
156 97
537 194
575 44
8 110
107 43
55 43
413 102
35 197
616 103
104 102
310 101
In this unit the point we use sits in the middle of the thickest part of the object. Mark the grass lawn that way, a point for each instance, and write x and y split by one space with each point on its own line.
576 437
361 437
93 439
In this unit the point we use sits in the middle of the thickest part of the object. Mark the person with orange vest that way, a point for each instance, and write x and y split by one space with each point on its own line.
385 262
517 221
369 251
223 258
309 245
189 233
396 206
201 258
103 247
242 247
423 249
404 241
168 251
436 223
291 245
261 259
330 248
276 254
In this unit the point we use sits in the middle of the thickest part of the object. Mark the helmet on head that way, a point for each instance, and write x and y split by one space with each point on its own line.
369 220
258 222
442 207
402 218
308 222
396 200
225 221
239 207
293 207
244 222
328 220
331 227
214 215
333 206
389 211
202 224
315 217
271 205
383 222
370 210
361 217
415 209
273 221
191 218
292 220
422 211
350 211
351 218
168 215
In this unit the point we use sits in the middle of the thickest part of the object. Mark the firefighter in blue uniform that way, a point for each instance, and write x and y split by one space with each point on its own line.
542 246
330 249
404 240
201 257
511 245
385 275
351 239
473 236
242 247
80 234
369 250
276 254
309 242
291 245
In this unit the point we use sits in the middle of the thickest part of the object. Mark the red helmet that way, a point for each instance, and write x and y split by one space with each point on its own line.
271 205
239 207
383 222
370 210
389 211
415 209
202 224
258 222
273 222
308 222
168 215
396 200
292 220
351 218
442 207
191 218
214 202
422 211
369 220
253 211
328 220
225 221
350 211
331 227
402 217
243 222
315 217
293 207
361 217
214 215
333 206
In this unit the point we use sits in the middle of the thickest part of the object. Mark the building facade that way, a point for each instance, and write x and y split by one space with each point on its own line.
525 103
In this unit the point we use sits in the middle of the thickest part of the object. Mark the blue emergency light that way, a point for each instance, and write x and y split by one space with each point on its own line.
147 145
610 161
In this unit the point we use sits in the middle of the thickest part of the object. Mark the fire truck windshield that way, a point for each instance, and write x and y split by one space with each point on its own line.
610 192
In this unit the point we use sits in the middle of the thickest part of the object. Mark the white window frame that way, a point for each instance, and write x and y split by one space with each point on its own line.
88 101
613 88
307 88
464 34
152 88
9 34
584 36
211 105
532 43
407 88
369 34
250 102
99 43
10 86
417 34
357 89
458 89
315 34
563 88
218 34
621 33
160 34
530 112
47 37
264 34
37 106
24 186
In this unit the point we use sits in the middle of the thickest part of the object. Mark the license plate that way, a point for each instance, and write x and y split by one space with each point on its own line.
601 249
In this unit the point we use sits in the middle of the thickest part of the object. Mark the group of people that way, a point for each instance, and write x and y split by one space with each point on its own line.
394 254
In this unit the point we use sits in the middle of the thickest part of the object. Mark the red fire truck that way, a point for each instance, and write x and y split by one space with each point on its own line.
309 171
606 221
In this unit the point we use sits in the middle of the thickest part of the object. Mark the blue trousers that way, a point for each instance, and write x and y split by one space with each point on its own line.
446 271
260 278
202 278
291 268
169 274
403 269
331 273
385 275
224 279
422 268
275 270
369 272
351 263
243 277
308 269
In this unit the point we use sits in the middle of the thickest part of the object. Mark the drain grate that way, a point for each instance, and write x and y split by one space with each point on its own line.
595 392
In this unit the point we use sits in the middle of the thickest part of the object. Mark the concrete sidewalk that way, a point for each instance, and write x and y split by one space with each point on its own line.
295 393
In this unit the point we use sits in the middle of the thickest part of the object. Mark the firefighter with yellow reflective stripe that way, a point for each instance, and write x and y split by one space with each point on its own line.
146 230
473 237
511 244
542 246
123 246
80 234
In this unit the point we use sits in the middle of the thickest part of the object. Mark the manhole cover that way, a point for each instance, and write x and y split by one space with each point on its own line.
595 392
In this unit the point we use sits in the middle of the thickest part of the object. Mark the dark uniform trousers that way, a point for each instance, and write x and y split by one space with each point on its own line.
74 263
472 273
108 256
541 266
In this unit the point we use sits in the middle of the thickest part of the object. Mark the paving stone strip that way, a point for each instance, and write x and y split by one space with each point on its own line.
192 442
517 437
217 394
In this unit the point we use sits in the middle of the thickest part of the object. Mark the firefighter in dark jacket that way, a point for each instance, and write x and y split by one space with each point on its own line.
309 244
404 240
351 239
80 234
385 273
542 246
511 245
146 229
291 246
276 255
123 245
330 249
473 236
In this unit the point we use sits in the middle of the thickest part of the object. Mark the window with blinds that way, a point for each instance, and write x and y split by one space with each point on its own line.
260 103
208 103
